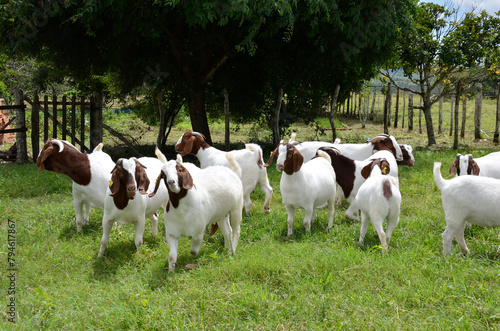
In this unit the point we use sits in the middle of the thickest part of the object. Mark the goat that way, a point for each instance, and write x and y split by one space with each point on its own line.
200 198
472 199
378 198
307 186
351 174
249 160
122 203
354 151
408 157
90 174
487 166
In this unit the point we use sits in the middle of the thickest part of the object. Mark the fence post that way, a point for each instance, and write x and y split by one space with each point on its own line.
22 151
35 126
477 112
95 119
410 112
54 116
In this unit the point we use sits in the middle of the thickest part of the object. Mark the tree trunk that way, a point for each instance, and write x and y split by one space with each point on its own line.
198 113
457 104
276 128
464 116
226 117
333 106
372 112
404 107
387 104
431 138
396 114
410 112
477 113
440 123
451 115
497 122
163 126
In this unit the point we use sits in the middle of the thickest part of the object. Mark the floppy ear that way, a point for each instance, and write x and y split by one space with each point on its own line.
141 177
271 158
114 183
188 145
453 167
385 167
367 170
474 166
50 150
293 162
187 179
158 183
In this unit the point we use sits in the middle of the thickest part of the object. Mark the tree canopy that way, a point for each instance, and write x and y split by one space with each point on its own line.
258 47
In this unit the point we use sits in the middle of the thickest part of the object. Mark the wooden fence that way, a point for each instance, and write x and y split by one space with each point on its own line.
64 118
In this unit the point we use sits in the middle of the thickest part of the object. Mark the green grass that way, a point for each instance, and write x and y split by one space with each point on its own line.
312 281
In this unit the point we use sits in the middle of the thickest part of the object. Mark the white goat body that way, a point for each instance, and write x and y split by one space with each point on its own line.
354 151
472 199
486 166
307 186
249 159
126 200
90 174
200 198
351 174
378 198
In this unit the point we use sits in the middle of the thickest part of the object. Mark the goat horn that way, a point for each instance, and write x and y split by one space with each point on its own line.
58 143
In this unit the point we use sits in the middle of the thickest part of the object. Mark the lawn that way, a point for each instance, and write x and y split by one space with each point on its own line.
317 280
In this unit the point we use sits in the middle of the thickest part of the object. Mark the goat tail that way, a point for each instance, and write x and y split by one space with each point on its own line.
235 167
438 178
98 148
324 155
257 152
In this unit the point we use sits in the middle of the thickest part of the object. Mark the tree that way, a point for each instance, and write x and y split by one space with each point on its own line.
441 47
184 40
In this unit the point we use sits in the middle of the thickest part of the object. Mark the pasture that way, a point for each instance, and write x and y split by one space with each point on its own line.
311 281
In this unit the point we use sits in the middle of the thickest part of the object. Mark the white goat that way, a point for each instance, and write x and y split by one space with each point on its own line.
122 203
249 159
90 174
354 151
408 157
199 199
486 166
307 186
351 174
378 198
472 199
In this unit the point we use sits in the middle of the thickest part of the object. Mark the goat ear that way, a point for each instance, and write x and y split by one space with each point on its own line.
453 168
188 144
385 167
157 184
293 162
187 180
50 150
475 167
271 158
367 170
114 183
142 178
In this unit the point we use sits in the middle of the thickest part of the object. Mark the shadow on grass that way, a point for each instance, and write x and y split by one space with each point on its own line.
116 256
93 229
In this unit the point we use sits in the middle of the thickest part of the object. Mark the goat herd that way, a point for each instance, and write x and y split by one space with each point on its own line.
314 175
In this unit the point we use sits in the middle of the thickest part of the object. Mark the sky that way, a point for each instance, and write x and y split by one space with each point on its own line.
491 6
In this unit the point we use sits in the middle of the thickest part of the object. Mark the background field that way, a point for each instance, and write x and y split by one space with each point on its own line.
316 280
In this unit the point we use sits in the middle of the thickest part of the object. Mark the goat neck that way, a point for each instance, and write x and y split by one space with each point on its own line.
344 168
62 158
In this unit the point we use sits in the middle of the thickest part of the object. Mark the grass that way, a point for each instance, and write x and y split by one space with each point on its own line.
317 280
